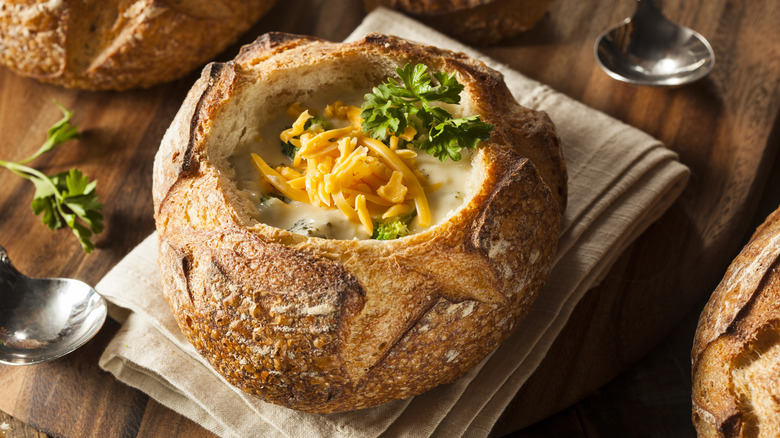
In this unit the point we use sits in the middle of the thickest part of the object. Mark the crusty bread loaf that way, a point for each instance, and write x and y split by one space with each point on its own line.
118 44
332 325
736 352
477 22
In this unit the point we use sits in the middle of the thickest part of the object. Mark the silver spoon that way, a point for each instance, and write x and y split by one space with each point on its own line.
44 318
648 49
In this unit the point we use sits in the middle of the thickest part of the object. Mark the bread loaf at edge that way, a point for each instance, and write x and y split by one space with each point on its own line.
118 44
476 22
736 351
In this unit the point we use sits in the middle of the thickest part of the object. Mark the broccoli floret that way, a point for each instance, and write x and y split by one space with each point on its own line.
316 120
306 229
391 228
288 149
267 198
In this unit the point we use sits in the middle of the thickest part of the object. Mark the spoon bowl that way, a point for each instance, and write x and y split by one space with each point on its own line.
44 318
648 49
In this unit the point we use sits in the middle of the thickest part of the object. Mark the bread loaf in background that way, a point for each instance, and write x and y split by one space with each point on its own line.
736 351
327 325
476 22
118 44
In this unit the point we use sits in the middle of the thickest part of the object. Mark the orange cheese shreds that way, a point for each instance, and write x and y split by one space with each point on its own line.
344 206
394 191
406 154
362 211
395 162
408 134
397 210
336 110
344 169
393 144
298 183
288 172
278 181
295 110
339 110
297 127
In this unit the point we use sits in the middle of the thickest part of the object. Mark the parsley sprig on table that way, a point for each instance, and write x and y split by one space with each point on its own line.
392 106
67 198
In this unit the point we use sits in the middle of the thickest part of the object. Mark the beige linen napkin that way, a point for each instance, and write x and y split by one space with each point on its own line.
620 181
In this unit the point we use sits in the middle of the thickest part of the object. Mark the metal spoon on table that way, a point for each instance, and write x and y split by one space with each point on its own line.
648 49
44 318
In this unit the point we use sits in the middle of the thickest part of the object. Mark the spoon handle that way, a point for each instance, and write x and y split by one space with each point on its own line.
652 4
4 259
5 263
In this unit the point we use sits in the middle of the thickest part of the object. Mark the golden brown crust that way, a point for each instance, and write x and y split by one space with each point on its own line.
736 351
479 22
118 44
333 325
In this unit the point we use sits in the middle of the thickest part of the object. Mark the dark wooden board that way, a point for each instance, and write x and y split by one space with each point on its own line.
722 127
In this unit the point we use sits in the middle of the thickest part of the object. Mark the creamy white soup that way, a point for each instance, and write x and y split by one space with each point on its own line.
445 184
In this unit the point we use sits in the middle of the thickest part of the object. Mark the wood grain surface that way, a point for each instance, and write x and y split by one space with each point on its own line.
724 128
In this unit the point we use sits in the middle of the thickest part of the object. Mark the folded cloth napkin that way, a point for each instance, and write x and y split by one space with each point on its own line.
620 181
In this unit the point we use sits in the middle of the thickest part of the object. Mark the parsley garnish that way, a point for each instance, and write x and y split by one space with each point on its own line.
392 106
67 198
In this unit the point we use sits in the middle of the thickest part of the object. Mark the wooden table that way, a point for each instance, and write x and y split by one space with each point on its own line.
725 128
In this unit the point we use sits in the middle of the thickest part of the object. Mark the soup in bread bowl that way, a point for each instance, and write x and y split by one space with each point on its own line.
325 316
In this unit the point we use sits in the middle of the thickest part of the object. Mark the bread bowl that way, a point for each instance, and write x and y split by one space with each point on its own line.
736 350
478 22
118 44
328 325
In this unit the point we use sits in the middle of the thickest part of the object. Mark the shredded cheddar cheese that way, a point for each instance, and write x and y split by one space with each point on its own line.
344 169
279 181
297 127
394 191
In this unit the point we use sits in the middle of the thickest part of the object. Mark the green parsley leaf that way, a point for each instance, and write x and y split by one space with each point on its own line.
67 198
384 112
392 106
448 90
44 203
415 79
58 134
447 138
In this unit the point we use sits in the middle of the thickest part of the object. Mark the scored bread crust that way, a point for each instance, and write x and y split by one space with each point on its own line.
118 44
479 22
736 351
333 325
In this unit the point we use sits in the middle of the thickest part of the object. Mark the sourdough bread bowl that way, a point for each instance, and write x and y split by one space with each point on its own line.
118 44
477 22
336 324
736 351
